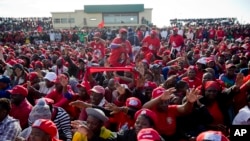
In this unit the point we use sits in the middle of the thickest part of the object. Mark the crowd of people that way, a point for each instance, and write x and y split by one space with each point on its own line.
185 83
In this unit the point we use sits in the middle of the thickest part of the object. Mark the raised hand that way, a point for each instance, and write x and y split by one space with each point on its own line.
112 107
192 95
167 94
239 80
79 104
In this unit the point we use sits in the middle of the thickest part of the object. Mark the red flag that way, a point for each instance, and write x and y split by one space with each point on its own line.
39 29
101 24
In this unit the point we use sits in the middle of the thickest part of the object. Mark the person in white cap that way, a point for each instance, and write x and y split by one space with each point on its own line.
43 88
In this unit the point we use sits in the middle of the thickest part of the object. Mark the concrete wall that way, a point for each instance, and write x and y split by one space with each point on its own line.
79 16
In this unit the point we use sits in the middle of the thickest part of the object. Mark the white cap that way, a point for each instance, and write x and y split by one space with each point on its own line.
51 76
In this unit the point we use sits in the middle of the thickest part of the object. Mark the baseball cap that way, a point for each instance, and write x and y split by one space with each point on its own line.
18 89
157 92
123 30
150 84
98 89
4 79
148 134
211 135
133 102
33 75
230 65
99 114
48 127
148 113
51 76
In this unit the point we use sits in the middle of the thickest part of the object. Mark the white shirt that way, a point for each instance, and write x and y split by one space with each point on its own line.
45 90
164 34
190 35
243 117
180 32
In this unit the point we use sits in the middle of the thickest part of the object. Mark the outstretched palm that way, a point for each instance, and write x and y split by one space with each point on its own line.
192 95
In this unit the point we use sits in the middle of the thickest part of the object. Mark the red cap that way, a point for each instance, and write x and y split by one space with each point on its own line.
150 84
97 34
20 61
213 84
166 52
230 65
81 85
157 92
48 127
133 102
153 32
148 134
123 30
33 75
39 63
98 89
148 113
211 135
12 62
19 89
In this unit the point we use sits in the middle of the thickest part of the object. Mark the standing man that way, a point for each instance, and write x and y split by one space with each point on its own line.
121 50
176 43
152 42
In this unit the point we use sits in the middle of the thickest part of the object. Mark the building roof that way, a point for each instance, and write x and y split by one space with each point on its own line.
113 8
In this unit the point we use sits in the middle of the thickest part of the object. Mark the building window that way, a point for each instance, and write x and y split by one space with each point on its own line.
71 20
120 18
64 20
56 21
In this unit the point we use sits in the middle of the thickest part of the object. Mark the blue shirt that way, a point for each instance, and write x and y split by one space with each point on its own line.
4 93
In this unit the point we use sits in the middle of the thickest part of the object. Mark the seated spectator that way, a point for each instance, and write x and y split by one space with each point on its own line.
4 86
20 106
44 130
40 111
93 129
9 127
243 117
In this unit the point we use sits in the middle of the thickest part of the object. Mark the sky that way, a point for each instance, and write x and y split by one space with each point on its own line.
163 10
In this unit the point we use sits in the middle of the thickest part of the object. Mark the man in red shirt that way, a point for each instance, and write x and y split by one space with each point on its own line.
21 108
212 33
152 42
167 114
121 50
192 79
220 34
176 42
98 46
62 95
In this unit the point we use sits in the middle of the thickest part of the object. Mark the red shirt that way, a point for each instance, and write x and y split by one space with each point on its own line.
116 53
220 34
212 33
192 83
21 112
176 40
61 101
152 43
215 112
98 49
166 124
121 119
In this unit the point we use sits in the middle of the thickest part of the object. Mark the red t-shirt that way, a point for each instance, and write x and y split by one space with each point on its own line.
98 48
192 83
116 53
215 112
152 43
176 40
212 33
21 112
220 34
61 101
166 124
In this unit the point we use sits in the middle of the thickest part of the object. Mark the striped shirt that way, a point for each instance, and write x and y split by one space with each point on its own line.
62 122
